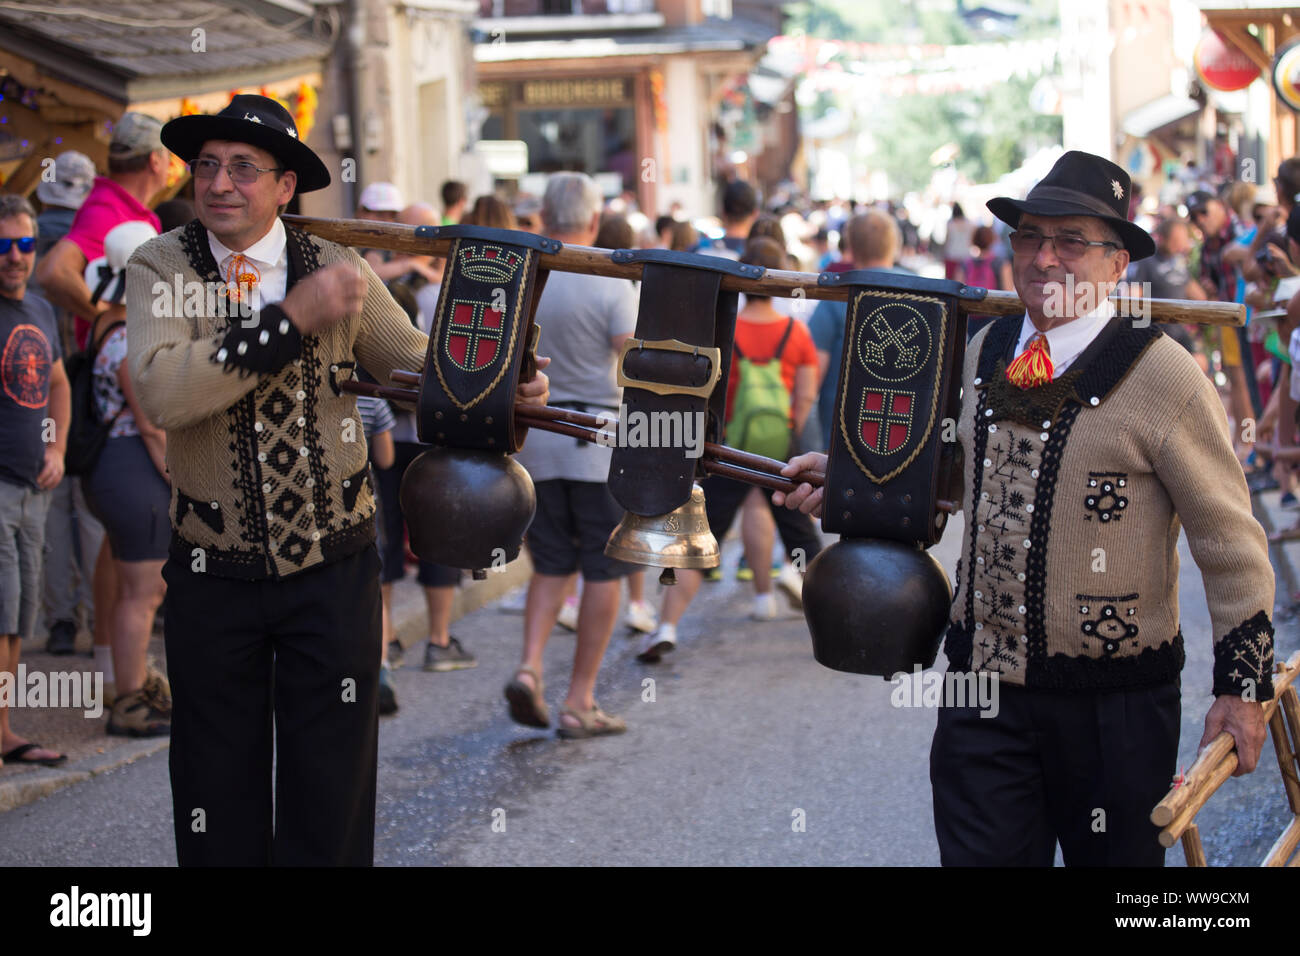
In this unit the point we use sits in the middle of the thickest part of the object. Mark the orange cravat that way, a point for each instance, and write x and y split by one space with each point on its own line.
242 276
1033 366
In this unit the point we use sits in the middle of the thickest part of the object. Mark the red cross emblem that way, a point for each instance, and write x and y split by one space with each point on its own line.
474 334
886 419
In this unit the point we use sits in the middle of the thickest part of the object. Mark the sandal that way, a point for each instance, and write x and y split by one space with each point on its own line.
591 723
527 705
15 756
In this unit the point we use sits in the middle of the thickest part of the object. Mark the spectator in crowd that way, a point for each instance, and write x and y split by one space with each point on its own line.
528 213
381 202
377 425
615 233
72 535
417 292
1211 216
129 492
763 336
61 197
984 270
587 319
739 211
873 240
35 389
137 170
489 211
1166 275
174 213
455 197
664 231
957 242
683 237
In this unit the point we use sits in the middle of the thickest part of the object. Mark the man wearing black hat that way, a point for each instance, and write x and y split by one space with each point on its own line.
1087 440
240 332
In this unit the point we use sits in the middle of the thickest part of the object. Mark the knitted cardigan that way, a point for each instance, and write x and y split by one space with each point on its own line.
266 453
1074 493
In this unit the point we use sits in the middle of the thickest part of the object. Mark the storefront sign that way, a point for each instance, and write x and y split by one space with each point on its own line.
1221 65
1286 74
577 92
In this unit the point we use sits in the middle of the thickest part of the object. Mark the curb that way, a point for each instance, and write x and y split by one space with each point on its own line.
30 787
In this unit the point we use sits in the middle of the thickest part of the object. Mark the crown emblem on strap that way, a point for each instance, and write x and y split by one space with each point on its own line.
489 263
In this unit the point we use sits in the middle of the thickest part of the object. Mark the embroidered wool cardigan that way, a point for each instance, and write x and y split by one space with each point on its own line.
1074 493
266 453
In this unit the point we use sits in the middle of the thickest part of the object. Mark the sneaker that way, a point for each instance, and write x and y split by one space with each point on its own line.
764 607
641 617
654 646
396 654
790 582
387 693
713 574
138 715
743 571
63 638
568 618
1289 500
453 657
513 603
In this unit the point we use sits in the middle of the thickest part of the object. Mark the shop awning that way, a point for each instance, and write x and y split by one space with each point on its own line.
1158 114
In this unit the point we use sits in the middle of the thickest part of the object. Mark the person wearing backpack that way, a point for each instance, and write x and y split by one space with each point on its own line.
127 489
770 392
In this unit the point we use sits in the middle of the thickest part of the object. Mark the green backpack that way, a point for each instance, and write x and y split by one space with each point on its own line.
760 410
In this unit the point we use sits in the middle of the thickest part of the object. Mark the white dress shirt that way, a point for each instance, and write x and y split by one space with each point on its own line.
271 257
1066 342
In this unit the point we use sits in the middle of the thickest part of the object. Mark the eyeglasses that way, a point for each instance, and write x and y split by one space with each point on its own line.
1027 242
244 173
25 245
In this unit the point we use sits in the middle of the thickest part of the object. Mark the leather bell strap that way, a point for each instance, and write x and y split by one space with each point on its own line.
1033 366
674 377
482 337
899 379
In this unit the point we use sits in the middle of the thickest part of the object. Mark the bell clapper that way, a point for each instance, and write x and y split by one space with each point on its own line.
667 576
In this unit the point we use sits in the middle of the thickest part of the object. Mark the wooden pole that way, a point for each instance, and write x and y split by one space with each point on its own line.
1284 845
1213 780
1192 848
775 282
1216 754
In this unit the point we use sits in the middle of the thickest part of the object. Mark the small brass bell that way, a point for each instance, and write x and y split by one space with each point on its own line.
679 539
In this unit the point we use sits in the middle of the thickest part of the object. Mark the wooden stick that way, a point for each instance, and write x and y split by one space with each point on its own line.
1284 845
1218 751
1285 758
1217 774
1291 708
775 282
1192 848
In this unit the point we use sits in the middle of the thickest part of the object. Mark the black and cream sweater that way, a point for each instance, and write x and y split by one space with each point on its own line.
266 453
1074 494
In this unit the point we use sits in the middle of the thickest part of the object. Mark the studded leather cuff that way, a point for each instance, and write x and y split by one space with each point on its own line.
265 347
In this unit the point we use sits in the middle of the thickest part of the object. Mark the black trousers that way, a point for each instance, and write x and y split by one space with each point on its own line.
1084 769
388 482
302 652
723 497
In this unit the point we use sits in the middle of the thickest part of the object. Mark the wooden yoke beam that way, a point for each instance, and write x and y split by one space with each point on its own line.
776 282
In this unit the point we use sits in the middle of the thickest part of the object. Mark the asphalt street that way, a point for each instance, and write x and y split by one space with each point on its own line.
741 750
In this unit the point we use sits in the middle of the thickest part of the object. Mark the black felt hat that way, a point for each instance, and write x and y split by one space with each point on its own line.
1081 184
257 120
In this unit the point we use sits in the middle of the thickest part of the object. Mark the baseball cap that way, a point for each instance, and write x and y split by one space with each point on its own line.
135 134
382 197
74 174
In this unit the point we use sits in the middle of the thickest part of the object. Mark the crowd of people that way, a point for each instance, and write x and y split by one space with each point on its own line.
115 539
106 532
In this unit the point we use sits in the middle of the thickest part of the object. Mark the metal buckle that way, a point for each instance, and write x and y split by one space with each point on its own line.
714 355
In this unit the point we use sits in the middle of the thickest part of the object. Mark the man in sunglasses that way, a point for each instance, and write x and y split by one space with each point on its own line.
34 408
273 568
1087 438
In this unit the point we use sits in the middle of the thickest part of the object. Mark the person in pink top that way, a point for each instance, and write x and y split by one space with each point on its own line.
137 170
